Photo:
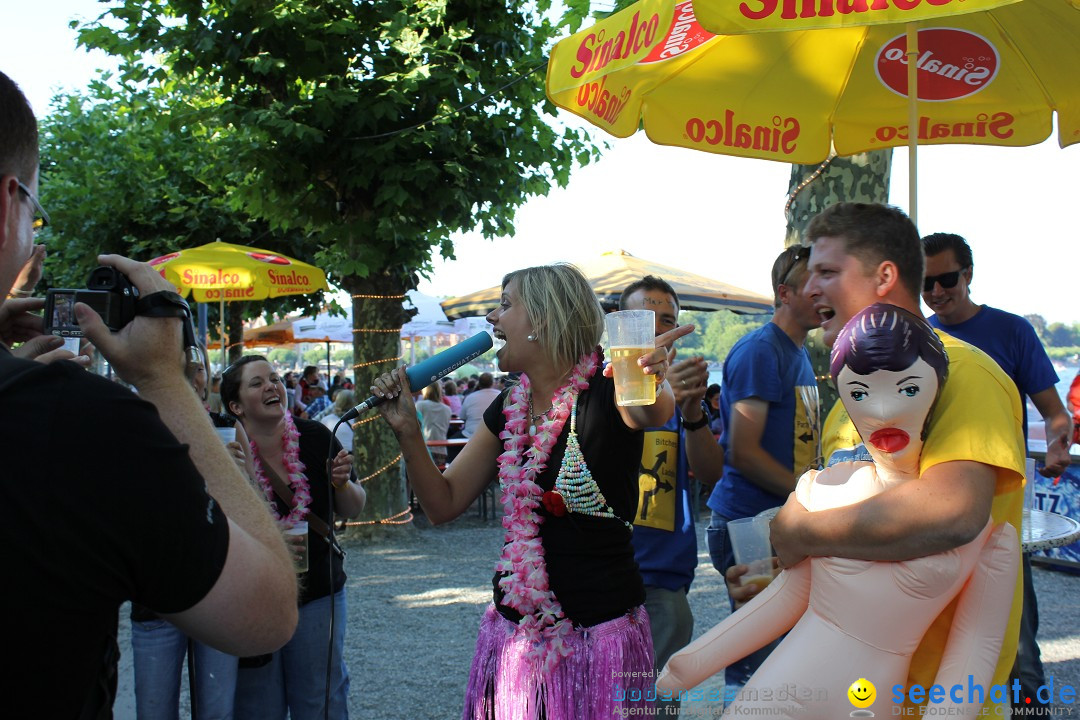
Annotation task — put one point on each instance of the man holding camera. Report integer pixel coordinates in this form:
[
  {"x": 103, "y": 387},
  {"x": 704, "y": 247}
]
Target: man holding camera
[{"x": 97, "y": 514}]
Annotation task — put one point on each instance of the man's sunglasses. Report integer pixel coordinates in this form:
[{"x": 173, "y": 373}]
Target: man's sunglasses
[
  {"x": 946, "y": 280},
  {"x": 802, "y": 253}
]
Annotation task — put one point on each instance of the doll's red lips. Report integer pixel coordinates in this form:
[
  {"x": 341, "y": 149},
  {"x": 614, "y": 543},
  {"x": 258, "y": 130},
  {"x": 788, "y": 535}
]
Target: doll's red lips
[{"x": 890, "y": 440}]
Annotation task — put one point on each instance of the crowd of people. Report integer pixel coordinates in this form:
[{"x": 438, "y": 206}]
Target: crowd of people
[{"x": 228, "y": 548}]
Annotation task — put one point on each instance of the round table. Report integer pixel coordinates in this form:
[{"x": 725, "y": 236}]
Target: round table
[{"x": 1047, "y": 530}]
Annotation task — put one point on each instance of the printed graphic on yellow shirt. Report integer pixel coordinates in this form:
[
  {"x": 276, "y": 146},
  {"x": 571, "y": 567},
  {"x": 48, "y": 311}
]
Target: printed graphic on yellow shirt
[
  {"x": 657, "y": 480},
  {"x": 807, "y": 429}
]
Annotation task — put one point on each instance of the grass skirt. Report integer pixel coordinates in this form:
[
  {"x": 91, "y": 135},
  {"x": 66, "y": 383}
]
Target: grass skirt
[{"x": 609, "y": 672}]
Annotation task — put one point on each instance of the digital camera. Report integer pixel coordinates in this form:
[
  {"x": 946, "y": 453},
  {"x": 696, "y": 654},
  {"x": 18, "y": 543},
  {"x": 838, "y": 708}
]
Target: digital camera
[{"x": 108, "y": 291}]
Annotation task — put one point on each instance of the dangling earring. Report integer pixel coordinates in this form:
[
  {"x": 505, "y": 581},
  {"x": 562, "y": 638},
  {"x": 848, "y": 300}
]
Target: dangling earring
[{"x": 530, "y": 338}]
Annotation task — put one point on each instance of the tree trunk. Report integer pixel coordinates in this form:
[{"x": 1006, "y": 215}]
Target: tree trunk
[
  {"x": 859, "y": 178},
  {"x": 377, "y": 319},
  {"x": 234, "y": 330}
]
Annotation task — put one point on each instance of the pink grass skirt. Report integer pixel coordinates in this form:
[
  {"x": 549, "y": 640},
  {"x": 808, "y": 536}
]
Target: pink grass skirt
[{"x": 611, "y": 669}]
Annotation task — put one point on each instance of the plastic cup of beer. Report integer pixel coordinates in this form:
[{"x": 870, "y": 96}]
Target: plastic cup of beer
[
  {"x": 630, "y": 335},
  {"x": 296, "y": 536},
  {"x": 750, "y": 542},
  {"x": 227, "y": 434}
]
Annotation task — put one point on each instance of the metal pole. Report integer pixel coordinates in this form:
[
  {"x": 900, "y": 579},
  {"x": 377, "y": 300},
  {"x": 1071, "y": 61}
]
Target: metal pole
[
  {"x": 913, "y": 120},
  {"x": 224, "y": 357}
]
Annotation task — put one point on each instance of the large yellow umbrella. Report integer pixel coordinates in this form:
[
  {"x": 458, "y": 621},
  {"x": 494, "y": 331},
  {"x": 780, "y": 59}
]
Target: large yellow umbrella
[
  {"x": 992, "y": 77},
  {"x": 613, "y": 271},
  {"x": 221, "y": 271}
]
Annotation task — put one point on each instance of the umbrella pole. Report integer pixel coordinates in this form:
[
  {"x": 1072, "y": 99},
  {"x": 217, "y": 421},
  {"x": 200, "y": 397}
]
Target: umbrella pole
[
  {"x": 913, "y": 120},
  {"x": 222, "y": 318},
  {"x": 329, "y": 374}
]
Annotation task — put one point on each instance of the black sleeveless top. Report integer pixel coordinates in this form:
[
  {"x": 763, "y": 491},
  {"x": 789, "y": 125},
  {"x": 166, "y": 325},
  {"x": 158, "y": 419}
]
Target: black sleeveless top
[{"x": 590, "y": 560}]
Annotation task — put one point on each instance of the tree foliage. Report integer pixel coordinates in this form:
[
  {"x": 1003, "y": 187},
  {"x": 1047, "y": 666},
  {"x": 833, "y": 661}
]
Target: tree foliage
[
  {"x": 378, "y": 128},
  {"x": 716, "y": 333},
  {"x": 386, "y": 126},
  {"x": 122, "y": 174}
]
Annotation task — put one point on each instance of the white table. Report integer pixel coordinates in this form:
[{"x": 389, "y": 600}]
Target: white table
[{"x": 1047, "y": 530}]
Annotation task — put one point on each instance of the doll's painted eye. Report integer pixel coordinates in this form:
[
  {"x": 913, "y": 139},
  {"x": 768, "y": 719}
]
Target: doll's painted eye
[
  {"x": 858, "y": 395},
  {"x": 910, "y": 390}
]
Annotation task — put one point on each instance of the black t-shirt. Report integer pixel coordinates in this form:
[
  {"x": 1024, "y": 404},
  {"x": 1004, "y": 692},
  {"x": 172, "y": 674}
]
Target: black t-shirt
[
  {"x": 102, "y": 505},
  {"x": 315, "y": 440},
  {"x": 590, "y": 560}
]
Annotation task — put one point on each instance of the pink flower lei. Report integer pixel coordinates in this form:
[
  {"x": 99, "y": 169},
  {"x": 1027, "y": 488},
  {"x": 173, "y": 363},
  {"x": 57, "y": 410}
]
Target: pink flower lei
[
  {"x": 526, "y": 582},
  {"x": 294, "y": 469}
]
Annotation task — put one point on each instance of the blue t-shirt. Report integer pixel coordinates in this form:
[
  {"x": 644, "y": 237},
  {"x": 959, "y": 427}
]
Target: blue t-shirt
[
  {"x": 767, "y": 365},
  {"x": 665, "y": 542},
  {"x": 1012, "y": 343}
]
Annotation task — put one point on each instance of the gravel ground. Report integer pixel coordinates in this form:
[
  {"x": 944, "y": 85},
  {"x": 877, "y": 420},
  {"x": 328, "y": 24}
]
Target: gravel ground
[{"x": 416, "y": 596}]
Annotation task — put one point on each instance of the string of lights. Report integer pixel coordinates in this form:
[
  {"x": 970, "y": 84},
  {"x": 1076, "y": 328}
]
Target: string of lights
[
  {"x": 384, "y": 468},
  {"x": 357, "y": 366},
  {"x": 402, "y": 518},
  {"x": 801, "y": 186}
]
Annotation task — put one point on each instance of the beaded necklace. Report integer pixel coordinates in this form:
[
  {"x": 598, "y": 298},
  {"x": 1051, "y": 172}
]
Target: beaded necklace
[
  {"x": 294, "y": 470},
  {"x": 526, "y": 451},
  {"x": 575, "y": 486}
]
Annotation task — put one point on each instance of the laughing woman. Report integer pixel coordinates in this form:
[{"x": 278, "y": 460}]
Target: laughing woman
[
  {"x": 290, "y": 468},
  {"x": 566, "y": 636}
]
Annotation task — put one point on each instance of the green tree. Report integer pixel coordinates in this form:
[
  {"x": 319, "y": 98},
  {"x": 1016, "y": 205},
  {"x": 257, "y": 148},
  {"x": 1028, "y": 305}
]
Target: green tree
[
  {"x": 725, "y": 331},
  {"x": 1039, "y": 323},
  {"x": 121, "y": 175},
  {"x": 1061, "y": 335},
  {"x": 284, "y": 357},
  {"x": 382, "y": 128}
]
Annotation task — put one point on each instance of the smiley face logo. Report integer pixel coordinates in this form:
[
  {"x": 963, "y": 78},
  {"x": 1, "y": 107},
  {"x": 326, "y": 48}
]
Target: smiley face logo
[{"x": 862, "y": 693}]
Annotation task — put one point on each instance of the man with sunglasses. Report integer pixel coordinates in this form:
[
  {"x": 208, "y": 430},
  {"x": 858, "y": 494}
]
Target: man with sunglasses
[
  {"x": 1011, "y": 341},
  {"x": 972, "y": 463},
  {"x": 110, "y": 496},
  {"x": 769, "y": 403}
]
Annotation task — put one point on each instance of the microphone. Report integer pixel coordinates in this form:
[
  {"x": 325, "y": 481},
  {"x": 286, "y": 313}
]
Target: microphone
[{"x": 428, "y": 371}]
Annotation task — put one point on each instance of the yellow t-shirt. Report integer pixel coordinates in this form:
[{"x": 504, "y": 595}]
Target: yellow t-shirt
[{"x": 977, "y": 418}]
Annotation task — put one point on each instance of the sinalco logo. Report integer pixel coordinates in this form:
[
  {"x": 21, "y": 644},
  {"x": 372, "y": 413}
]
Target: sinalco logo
[
  {"x": 952, "y": 64},
  {"x": 684, "y": 35}
]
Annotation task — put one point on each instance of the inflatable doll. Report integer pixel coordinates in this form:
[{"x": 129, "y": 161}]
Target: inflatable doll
[{"x": 854, "y": 619}]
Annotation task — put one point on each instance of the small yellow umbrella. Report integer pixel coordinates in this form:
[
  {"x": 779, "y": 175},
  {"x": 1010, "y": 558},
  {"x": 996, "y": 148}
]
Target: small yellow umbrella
[
  {"x": 992, "y": 77},
  {"x": 221, "y": 271}
]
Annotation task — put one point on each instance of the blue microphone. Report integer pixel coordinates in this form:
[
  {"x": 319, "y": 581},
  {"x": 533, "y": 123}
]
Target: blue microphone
[{"x": 428, "y": 371}]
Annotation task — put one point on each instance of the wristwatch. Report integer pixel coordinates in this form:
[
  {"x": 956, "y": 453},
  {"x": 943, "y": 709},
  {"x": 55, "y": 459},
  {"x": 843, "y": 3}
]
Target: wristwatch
[{"x": 700, "y": 422}]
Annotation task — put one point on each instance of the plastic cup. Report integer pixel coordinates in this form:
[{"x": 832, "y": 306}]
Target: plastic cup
[
  {"x": 297, "y": 538},
  {"x": 750, "y": 542},
  {"x": 1029, "y": 490},
  {"x": 630, "y": 335},
  {"x": 227, "y": 434}
]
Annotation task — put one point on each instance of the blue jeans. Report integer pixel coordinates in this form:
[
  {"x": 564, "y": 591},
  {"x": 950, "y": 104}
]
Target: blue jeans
[
  {"x": 158, "y": 650},
  {"x": 737, "y": 673},
  {"x": 294, "y": 681}
]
